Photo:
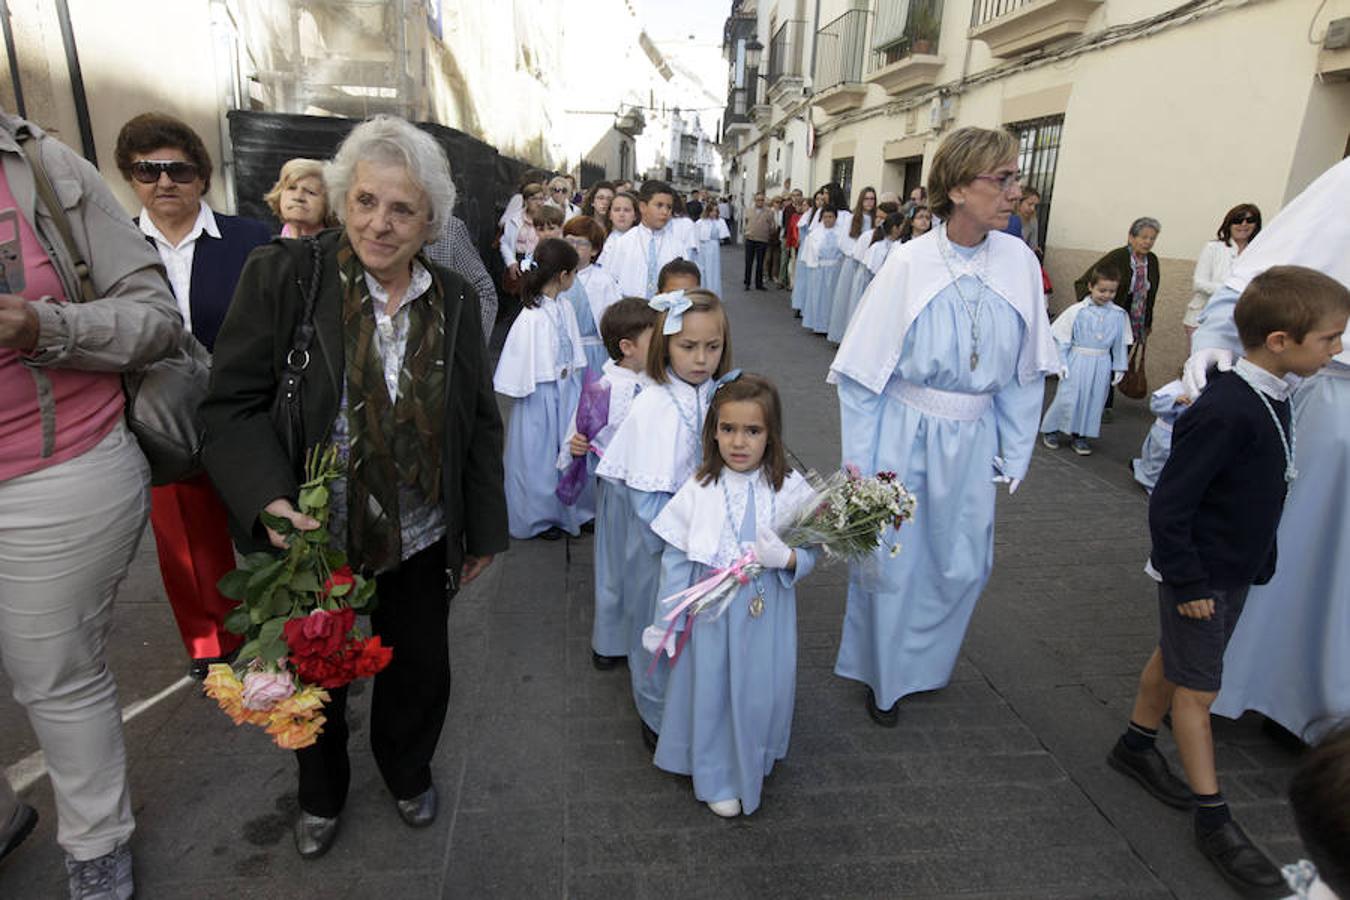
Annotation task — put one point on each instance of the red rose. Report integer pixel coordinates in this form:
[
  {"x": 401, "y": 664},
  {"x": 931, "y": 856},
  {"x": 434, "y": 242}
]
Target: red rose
[
  {"x": 339, "y": 576},
  {"x": 326, "y": 673},
  {"x": 373, "y": 657},
  {"x": 321, "y": 633}
]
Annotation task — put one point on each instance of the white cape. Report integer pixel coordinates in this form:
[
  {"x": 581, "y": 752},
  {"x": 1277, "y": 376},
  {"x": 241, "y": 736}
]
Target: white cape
[
  {"x": 1062, "y": 327},
  {"x": 913, "y": 274},
  {"x": 698, "y": 519},
  {"x": 530, "y": 354}
]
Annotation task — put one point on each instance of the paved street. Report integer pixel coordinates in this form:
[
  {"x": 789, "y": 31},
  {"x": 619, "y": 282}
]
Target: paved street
[{"x": 995, "y": 787}]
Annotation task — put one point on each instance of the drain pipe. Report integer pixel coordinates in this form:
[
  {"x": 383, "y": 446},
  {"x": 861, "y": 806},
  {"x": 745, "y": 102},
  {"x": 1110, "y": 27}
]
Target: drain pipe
[
  {"x": 13, "y": 60},
  {"x": 76, "y": 83}
]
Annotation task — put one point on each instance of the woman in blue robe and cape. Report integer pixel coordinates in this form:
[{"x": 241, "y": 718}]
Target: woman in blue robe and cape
[{"x": 940, "y": 380}]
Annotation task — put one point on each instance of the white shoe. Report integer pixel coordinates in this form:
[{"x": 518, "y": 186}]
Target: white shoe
[{"x": 727, "y": 809}]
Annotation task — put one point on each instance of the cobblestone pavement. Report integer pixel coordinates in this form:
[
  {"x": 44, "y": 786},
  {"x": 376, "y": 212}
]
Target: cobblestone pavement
[{"x": 995, "y": 787}]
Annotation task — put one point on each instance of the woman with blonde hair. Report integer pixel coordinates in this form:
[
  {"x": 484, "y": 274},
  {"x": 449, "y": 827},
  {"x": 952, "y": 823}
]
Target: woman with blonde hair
[
  {"x": 940, "y": 379},
  {"x": 300, "y": 200}
]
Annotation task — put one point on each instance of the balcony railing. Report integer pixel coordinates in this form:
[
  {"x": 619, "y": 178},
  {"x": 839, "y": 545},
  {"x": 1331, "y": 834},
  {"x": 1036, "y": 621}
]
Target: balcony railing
[
  {"x": 785, "y": 50},
  {"x": 987, "y": 10},
  {"x": 841, "y": 50},
  {"x": 906, "y": 30},
  {"x": 738, "y": 112}
]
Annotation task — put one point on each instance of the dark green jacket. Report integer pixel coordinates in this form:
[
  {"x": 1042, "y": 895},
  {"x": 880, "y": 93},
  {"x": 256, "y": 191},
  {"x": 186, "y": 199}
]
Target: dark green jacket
[
  {"x": 1119, "y": 259},
  {"x": 242, "y": 452}
]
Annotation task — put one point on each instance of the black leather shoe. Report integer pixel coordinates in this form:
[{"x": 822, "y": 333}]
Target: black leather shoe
[
  {"x": 649, "y": 737},
  {"x": 420, "y": 811},
  {"x": 314, "y": 834},
  {"x": 21, "y": 823},
  {"x": 1150, "y": 769},
  {"x": 606, "y": 663},
  {"x": 887, "y": 718},
  {"x": 1237, "y": 858}
]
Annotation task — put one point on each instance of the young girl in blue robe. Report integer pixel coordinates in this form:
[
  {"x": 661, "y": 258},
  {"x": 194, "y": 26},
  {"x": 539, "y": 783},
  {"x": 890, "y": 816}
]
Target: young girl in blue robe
[
  {"x": 941, "y": 378},
  {"x": 654, "y": 452},
  {"x": 592, "y": 291},
  {"x": 729, "y": 701},
  {"x": 824, "y": 252},
  {"x": 541, "y": 367},
  {"x": 849, "y": 273},
  {"x": 711, "y": 232},
  {"x": 878, "y": 245},
  {"x": 1092, "y": 334},
  {"x": 1167, "y": 403}
]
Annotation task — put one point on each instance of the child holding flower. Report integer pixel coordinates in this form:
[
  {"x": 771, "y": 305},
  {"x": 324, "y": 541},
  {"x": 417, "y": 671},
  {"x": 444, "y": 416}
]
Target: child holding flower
[
  {"x": 653, "y": 453},
  {"x": 728, "y": 708}
]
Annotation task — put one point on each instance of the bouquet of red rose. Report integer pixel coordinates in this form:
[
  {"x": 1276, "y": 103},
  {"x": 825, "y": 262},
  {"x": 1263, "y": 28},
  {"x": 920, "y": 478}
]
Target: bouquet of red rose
[{"x": 298, "y": 611}]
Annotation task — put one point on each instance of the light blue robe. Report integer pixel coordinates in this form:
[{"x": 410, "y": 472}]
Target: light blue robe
[
  {"x": 539, "y": 426},
  {"x": 611, "y": 632},
  {"x": 1080, "y": 399},
  {"x": 819, "y": 292},
  {"x": 1288, "y": 657},
  {"x": 802, "y": 277},
  {"x": 839, "y": 302},
  {"x": 639, "y": 585},
  {"x": 907, "y": 615},
  {"x": 1157, "y": 444},
  {"x": 730, "y": 696},
  {"x": 591, "y": 344}
]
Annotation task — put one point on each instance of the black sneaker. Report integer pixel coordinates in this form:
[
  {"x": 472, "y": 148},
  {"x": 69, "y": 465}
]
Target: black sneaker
[
  {"x": 606, "y": 663},
  {"x": 1237, "y": 858},
  {"x": 1150, "y": 769},
  {"x": 21, "y": 823},
  {"x": 1050, "y": 439}
]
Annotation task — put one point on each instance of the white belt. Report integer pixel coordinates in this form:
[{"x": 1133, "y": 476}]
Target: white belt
[
  {"x": 828, "y": 263},
  {"x": 592, "y": 341},
  {"x": 944, "y": 404},
  {"x": 1090, "y": 351},
  {"x": 1163, "y": 424}
]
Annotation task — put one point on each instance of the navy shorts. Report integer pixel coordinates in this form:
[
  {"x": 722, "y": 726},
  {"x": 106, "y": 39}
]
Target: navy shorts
[{"x": 1192, "y": 649}]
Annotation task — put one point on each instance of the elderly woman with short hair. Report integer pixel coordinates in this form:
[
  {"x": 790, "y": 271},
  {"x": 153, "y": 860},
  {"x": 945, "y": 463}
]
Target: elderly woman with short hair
[
  {"x": 299, "y": 199},
  {"x": 399, "y": 380},
  {"x": 940, "y": 377},
  {"x": 1136, "y": 259}
]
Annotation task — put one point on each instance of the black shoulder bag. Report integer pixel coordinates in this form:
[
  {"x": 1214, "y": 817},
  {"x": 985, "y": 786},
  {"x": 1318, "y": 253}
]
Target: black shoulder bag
[{"x": 287, "y": 411}]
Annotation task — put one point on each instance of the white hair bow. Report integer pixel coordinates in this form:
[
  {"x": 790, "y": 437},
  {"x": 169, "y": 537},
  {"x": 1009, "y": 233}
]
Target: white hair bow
[
  {"x": 674, "y": 304},
  {"x": 527, "y": 263}
]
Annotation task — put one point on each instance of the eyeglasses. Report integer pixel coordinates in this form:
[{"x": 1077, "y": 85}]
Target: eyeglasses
[
  {"x": 147, "y": 171},
  {"x": 1247, "y": 219},
  {"x": 558, "y": 190},
  {"x": 1005, "y": 182}
]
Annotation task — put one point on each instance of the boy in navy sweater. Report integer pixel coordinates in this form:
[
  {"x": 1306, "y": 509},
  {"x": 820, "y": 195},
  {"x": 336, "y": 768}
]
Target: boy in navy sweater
[{"x": 1212, "y": 518}]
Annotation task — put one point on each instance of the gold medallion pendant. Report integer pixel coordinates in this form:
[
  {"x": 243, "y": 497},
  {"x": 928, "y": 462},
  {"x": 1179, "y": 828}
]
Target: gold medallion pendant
[{"x": 756, "y": 606}]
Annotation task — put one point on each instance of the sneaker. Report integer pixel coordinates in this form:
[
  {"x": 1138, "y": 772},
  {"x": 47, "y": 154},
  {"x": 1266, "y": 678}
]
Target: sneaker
[
  {"x": 106, "y": 878},
  {"x": 727, "y": 809},
  {"x": 1051, "y": 440},
  {"x": 1080, "y": 446},
  {"x": 1150, "y": 769}
]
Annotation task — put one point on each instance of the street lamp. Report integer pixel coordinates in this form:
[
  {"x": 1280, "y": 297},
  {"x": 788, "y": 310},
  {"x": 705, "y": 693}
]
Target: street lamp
[{"x": 754, "y": 50}]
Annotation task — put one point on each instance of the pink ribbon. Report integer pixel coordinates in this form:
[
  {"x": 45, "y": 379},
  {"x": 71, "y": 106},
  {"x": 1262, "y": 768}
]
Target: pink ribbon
[{"x": 691, "y": 595}]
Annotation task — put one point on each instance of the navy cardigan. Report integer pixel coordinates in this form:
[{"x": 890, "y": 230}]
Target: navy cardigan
[{"x": 216, "y": 264}]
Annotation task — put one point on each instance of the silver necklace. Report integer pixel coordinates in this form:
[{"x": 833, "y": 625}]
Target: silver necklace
[
  {"x": 757, "y": 601},
  {"x": 975, "y": 269},
  {"x": 1288, "y": 442}
]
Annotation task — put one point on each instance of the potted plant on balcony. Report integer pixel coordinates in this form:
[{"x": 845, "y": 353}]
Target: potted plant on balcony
[{"x": 924, "y": 24}]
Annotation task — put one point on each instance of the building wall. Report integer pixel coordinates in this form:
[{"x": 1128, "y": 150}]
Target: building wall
[{"x": 1170, "y": 124}]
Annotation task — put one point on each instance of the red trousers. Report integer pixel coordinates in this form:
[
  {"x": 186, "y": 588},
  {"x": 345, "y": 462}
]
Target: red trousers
[{"x": 194, "y": 546}]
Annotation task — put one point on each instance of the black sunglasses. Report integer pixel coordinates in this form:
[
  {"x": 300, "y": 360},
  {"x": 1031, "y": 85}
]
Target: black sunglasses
[
  {"x": 147, "y": 171},
  {"x": 1247, "y": 219}
]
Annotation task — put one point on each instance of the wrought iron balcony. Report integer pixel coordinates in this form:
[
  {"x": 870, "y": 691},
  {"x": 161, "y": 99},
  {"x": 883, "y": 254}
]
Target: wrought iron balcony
[
  {"x": 841, "y": 51},
  {"x": 905, "y": 45},
  {"x": 785, "y": 58},
  {"x": 1010, "y": 27}
]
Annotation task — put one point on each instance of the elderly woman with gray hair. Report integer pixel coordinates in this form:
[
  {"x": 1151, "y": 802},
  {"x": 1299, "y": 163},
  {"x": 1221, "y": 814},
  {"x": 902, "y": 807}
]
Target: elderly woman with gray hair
[
  {"x": 398, "y": 379},
  {"x": 1139, "y": 290}
]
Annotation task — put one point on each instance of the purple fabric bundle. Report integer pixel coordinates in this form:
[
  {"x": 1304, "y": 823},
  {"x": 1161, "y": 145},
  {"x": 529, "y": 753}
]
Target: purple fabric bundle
[{"x": 592, "y": 415}]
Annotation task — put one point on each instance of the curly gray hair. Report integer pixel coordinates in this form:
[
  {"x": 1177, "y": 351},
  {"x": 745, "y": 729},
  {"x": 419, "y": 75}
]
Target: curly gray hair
[{"x": 390, "y": 140}]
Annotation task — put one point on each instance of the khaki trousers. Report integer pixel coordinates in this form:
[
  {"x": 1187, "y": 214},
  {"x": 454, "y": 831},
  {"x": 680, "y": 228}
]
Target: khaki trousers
[{"x": 67, "y": 535}]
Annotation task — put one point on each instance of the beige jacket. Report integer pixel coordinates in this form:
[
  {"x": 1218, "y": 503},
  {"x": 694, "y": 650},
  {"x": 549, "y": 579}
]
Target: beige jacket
[{"x": 135, "y": 320}]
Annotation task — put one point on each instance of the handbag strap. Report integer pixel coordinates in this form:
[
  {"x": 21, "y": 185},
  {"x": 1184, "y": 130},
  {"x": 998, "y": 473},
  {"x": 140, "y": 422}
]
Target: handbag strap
[
  {"x": 297, "y": 359},
  {"x": 57, "y": 213}
]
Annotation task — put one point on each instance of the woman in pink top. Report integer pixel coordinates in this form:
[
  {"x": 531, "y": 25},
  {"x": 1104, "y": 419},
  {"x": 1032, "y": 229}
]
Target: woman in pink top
[{"x": 74, "y": 487}]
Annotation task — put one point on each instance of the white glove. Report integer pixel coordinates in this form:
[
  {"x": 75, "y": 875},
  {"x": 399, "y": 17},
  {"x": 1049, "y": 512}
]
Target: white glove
[
  {"x": 1197, "y": 367},
  {"x": 770, "y": 551},
  {"x": 1116, "y": 377},
  {"x": 655, "y": 639},
  {"x": 1000, "y": 478},
  {"x": 1064, "y": 374}
]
